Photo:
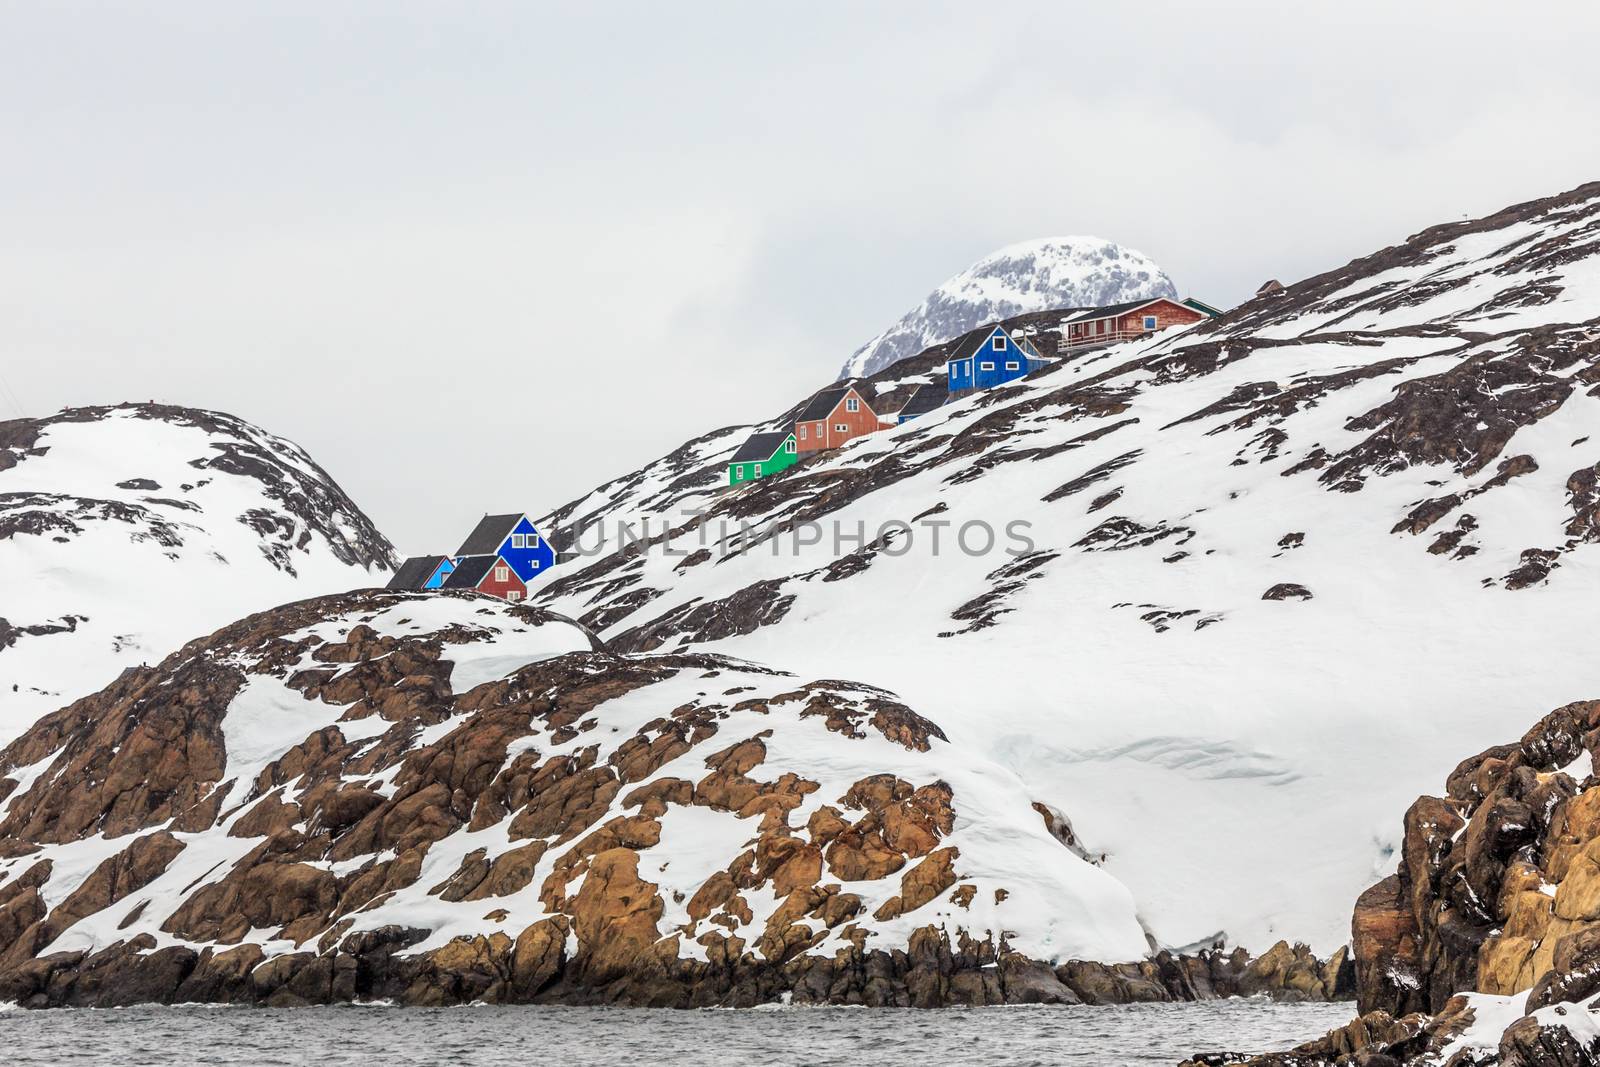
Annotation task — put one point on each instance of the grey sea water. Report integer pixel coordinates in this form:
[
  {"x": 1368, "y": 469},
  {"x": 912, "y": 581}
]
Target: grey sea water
[{"x": 616, "y": 1037}]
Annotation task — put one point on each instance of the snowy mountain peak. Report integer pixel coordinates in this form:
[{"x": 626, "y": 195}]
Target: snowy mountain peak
[
  {"x": 1037, "y": 275},
  {"x": 139, "y": 525}
]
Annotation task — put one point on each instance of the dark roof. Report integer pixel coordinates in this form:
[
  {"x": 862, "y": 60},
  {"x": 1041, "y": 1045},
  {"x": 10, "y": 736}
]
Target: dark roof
[
  {"x": 490, "y": 533},
  {"x": 925, "y": 399},
  {"x": 415, "y": 571},
  {"x": 470, "y": 571},
  {"x": 822, "y": 405},
  {"x": 970, "y": 343},
  {"x": 1111, "y": 310},
  {"x": 761, "y": 446}
]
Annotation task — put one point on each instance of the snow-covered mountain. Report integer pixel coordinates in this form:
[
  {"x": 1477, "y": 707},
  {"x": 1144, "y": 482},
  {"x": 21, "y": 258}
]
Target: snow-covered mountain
[
  {"x": 125, "y": 531},
  {"x": 1038, "y": 275},
  {"x": 1275, "y": 572}
]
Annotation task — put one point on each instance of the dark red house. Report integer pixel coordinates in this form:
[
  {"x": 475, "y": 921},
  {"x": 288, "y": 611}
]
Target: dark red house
[
  {"x": 1125, "y": 322},
  {"x": 487, "y": 574},
  {"x": 833, "y": 417}
]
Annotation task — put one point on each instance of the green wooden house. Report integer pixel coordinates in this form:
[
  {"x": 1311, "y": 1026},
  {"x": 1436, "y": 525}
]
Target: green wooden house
[{"x": 763, "y": 454}]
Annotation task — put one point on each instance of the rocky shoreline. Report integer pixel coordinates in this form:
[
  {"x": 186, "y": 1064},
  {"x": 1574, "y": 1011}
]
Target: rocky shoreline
[{"x": 535, "y": 969}]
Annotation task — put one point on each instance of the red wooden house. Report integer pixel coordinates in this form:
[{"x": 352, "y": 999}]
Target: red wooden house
[
  {"x": 1125, "y": 322},
  {"x": 487, "y": 574},
  {"x": 833, "y": 417}
]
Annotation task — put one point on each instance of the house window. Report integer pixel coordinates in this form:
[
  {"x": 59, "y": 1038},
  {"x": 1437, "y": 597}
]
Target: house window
[
  {"x": 738, "y": 473},
  {"x": 516, "y": 540},
  {"x": 513, "y": 595},
  {"x": 987, "y": 364},
  {"x": 788, "y": 446},
  {"x": 758, "y": 470},
  {"x": 533, "y": 564},
  {"x": 499, "y": 574},
  {"x": 530, "y": 540},
  {"x": 840, "y": 427},
  {"x": 1149, "y": 322},
  {"x": 1011, "y": 364},
  {"x": 802, "y": 432},
  {"x": 997, "y": 343},
  {"x": 852, "y": 404}
]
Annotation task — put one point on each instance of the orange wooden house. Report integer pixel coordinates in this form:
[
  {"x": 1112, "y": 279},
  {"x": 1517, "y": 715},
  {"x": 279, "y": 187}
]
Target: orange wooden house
[{"x": 833, "y": 417}]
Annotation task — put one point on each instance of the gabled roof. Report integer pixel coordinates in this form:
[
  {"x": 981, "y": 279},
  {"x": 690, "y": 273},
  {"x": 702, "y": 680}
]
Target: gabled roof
[
  {"x": 470, "y": 571},
  {"x": 1113, "y": 310},
  {"x": 1028, "y": 348},
  {"x": 1202, "y": 306},
  {"x": 490, "y": 533},
  {"x": 925, "y": 399},
  {"x": 971, "y": 342},
  {"x": 761, "y": 446},
  {"x": 415, "y": 571},
  {"x": 822, "y": 405}
]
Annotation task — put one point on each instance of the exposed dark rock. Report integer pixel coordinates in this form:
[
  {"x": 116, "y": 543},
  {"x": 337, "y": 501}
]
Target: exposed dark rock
[{"x": 1497, "y": 892}]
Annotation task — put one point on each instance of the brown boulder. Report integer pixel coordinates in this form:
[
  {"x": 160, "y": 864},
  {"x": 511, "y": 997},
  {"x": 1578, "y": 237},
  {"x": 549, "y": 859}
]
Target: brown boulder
[
  {"x": 615, "y": 915},
  {"x": 1384, "y": 940}
]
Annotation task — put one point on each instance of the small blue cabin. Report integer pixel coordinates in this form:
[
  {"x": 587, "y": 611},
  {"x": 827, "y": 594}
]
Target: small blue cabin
[
  {"x": 987, "y": 357},
  {"x": 422, "y": 572},
  {"x": 515, "y": 540},
  {"x": 440, "y": 573}
]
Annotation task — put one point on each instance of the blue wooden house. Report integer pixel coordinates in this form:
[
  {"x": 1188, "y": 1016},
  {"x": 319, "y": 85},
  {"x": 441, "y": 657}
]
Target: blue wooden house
[
  {"x": 422, "y": 572},
  {"x": 515, "y": 540},
  {"x": 987, "y": 357}
]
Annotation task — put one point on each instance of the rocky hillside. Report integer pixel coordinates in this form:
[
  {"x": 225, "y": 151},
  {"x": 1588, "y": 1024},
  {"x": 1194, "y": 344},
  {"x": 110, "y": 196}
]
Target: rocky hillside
[
  {"x": 1484, "y": 946},
  {"x": 443, "y": 797},
  {"x": 126, "y": 530},
  {"x": 1040, "y": 275},
  {"x": 1267, "y": 576}
]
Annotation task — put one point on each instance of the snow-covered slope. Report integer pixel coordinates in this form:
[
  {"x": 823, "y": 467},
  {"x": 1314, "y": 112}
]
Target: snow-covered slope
[
  {"x": 124, "y": 531},
  {"x": 1281, "y": 569},
  {"x": 1051, "y": 272},
  {"x": 439, "y": 774}
]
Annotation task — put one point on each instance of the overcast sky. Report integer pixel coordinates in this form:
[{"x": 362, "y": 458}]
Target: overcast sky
[{"x": 482, "y": 258}]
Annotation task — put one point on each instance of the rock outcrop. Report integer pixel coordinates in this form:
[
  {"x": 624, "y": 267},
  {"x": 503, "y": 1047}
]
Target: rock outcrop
[
  {"x": 439, "y": 798},
  {"x": 1484, "y": 946}
]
